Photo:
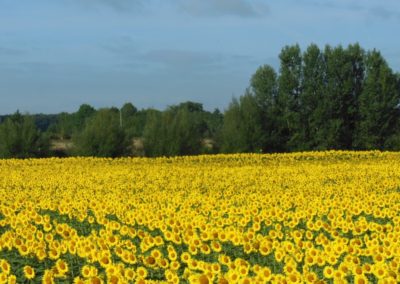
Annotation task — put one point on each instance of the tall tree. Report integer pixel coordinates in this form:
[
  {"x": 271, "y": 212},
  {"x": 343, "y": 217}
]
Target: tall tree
[
  {"x": 233, "y": 133},
  {"x": 378, "y": 105},
  {"x": 127, "y": 117},
  {"x": 80, "y": 117},
  {"x": 185, "y": 133},
  {"x": 263, "y": 85},
  {"x": 287, "y": 102},
  {"x": 20, "y": 138},
  {"x": 312, "y": 99},
  {"x": 342, "y": 87},
  {"x": 177, "y": 131},
  {"x": 243, "y": 126},
  {"x": 102, "y": 136},
  {"x": 154, "y": 134}
]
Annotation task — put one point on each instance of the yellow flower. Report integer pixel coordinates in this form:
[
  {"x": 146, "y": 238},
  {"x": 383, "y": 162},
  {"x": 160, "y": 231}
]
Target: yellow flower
[
  {"x": 266, "y": 274},
  {"x": 78, "y": 280},
  {"x": 12, "y": 279},
  {"x": 5, "y": 266},
  {"x": 29, "y": 272},
  {"x": 328, "y": 272},
  {"x": 141, "y": 272},
  {"x": 360, "y": 279},
  {"x": 61, "y": 267},
  {"x": 105, "y": 261},
  {"x": 48, "y": 277},
  {"x": 129, "y": 274},
  {"x": 85, "y": 271}
]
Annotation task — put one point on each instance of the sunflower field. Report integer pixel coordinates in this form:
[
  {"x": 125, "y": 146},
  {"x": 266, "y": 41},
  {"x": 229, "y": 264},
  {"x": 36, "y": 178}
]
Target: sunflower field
[{"x": 316, "y": 217}]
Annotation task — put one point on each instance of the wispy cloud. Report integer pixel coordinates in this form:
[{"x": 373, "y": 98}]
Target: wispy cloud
[
  {"x": 384, "y": 13},
  {"x": 10, "y": 51},
  {"x": 198, "y": 8},
  {"x": 123, "y": 46},
  {"x": 116, "y": 5},
  {"x": 211, "y": 8},
  {"x": 183, "y": 58}
]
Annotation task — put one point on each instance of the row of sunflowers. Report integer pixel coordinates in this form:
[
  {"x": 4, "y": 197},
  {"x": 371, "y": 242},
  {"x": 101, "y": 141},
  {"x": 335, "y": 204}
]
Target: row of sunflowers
[{"x": 316, "y": 217}]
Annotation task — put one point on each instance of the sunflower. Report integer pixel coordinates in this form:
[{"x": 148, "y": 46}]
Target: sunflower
[
  {"x": 23, "y": 250},
  {"x": 294, "y": 278},
  {"x": 203, "y": 279},
  {"x": 62, "y": 267},
  {"x": 289, "y": 268},
  {"x": 266, "y": 274},
  {"x": 379, "y": 271},
  {"x": 129, "y": 274},
  {"x": 156, "y": 254},
  {"x": 141, "y": 272},
  {"x": 192, "y": 249},
  {"x": 54, "y": 254},
  {"x": 311, "y": 277},
  {"x": 158, "y": 241},
  {"x": 105, "y": 260},
  {"x": 175, "y": 265},
  {"x": 85, "y": 271},
  {"x": 48, "y": 277},
  {"x": 5, "y": 266},
  {"x": 172, "y": 255},
  {"x": 150, "y": 261},
  {"x": 113, "y": 279},
  {"x": 95, "y": 280},
  {"x": 185, "y": 257},
  {"x": 222, "y": 280},
  {"x": 29, "y": 272},
  {"x": 215, "y": 268},
  {"x": 12, "y": 279},
  {"x": 360, "y": 279},
  {"x": 163, "y": 263},
  {"x": 78, "y": 280},
  {"x": 205, "y": 249},
  {"x": 328, "y": 272}
]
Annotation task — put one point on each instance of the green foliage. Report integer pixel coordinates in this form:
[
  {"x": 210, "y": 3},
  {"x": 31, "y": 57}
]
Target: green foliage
[
  {"x": 329, "y": 98},
  {"x": 20, "y": 138},
  {"x": 338, "y": 98},
  {"x": 264, "y": 87},
  {"x": 102, "y": 136},
  {"x": 177, "y": 131},
  {"x": 378, "y": 106},
  {"x": 243, "y": 126},
  {"x": 287, "y": 101},
  {"x": 312, "y": 99},
  {"x": 154, "y": 134}
]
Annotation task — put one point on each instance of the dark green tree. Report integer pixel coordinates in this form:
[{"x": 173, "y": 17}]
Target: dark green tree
[
  {"x": 154, "y": 134},
  {"x": 80, "y": 117},
  {"x": 179, "y": 130},
  {"x": 312, "y": 100},
  {"x": 127, "y": 119},
  {"x": 185, "y": 132},
  {"x": 128, "y": 110},
  {"x": 263, "y": 85},
  {"x": 233, "y": 132},
  {"x": 378, "y": 106},
  {"x": 102, "y": 136},
  {"x": 340, "y": 107},
  {"x": 212, "y": 135},
  {"x": 287, "y": 102},
  {"x": 243, "y": 126},
  {"x": 20, "y": 138}
]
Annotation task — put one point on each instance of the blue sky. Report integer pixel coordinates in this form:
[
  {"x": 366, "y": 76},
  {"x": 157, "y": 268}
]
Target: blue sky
[{"x": 58, "y": 54}]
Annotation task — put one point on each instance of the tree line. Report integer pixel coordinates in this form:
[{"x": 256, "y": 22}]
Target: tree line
[{"x": 319, "y": 99}]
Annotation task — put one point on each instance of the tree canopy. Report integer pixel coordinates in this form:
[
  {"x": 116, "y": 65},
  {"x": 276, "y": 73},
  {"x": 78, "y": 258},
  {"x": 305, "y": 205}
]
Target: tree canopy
[{"x": 318, "y": 99}]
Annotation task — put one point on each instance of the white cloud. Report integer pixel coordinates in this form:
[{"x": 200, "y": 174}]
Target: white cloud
[{"x": 210, "y": 8}]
